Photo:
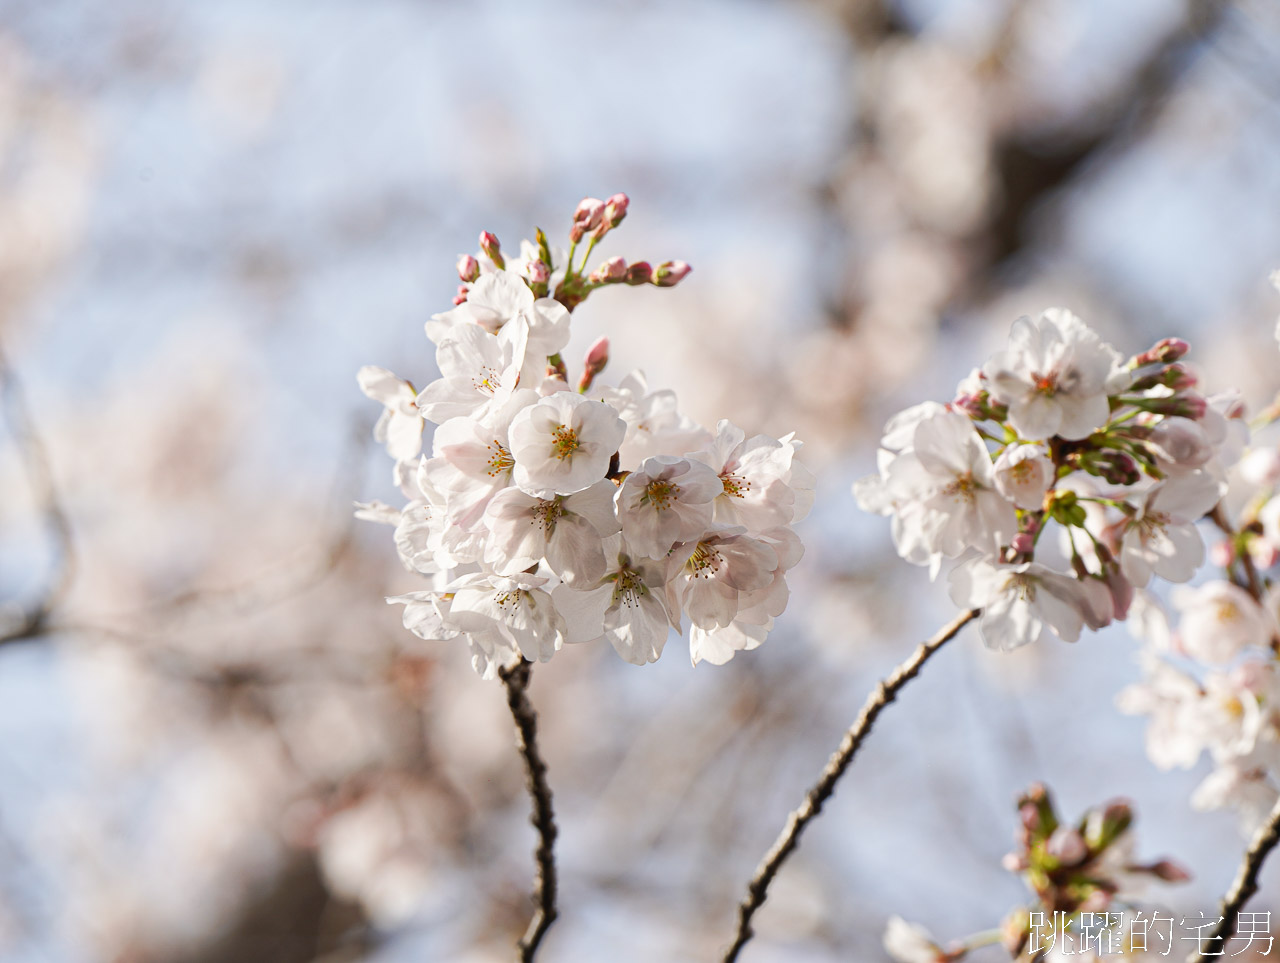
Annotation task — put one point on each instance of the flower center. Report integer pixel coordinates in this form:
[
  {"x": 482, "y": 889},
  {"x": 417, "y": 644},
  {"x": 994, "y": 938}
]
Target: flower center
[
  {"x": 963, "y": 487},
  {"x": 628, "y": 588},
  {"x": 545, "y": 514},
  {"x": 1227, "y": 611},
  {"x": 509, "y": 602},
  {"x": 564, "y": 442},
  {"x": 1024, "y": 587},
  {"x": 705, "y": 561},
  {"x": 660, "y": 493},
  {"x": 1046, "y": 384},
  {"x": 500, "y": 459},
  {"x": 735, "y": 486},
  {"x": 486, "y": 380}
]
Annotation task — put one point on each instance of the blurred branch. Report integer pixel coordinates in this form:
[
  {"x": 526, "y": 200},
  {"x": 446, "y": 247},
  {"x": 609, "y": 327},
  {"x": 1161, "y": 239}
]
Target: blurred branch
[
  {"x": 33, "y": 620},
  {"x": 516, "y": 679},
  {"x": 789, "y": 838},
  {"x": 1242, "y": 889}
]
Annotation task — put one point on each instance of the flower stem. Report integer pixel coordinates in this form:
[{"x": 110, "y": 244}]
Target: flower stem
[
  {"x": 516, "y": 679},
  {"x": 789, "y": 838}
]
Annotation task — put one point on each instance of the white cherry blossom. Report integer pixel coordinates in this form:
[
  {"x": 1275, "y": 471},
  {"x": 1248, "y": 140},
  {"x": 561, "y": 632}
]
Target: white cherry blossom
[
  {"x": 566, "y": 530},
  {"x": 1055, "y": 376},
  {"x": 1220, "y": 620},
  {"x": 477, "y": 369},
  {"x": 664, "y": 501},
  {"x": 1019, "y": 602},
  {"x": 400, "y": 425},
  {"x": 1161, "y": 537},
  {"x": 655, "y": 425},
  {"x": 708, "y": 577},
  {"x": 512, "y": 610},
  {"x": 1023, "y": 474},
  {"x": 627, "y": 605},
  {"x": 763, "y": 485},
  {"x": 563, "y": 444}
]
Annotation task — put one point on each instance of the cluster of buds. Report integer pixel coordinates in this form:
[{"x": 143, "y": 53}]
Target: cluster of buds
[
  {"x": 1071, "y": 869},
  {"x": 1058, "y": 433}
]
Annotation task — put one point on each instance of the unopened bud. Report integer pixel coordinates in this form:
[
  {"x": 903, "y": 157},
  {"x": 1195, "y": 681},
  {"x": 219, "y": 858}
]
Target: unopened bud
[
  {"x": 1222, "y": 554},
  {"x": 1067, "y": 846},
  {"x": 461, "y": 296},
  {"x": 492, "y": 249},
  {"x": 639, "y": 273},
  {"x": 587, "y": 218},
  {"x": 670, "y": 273},
  {"x": 1014, "y": 862},
  {"x": 597, "y": 357},
  {"x": 1023, "y": 543},
  {"x": 468, "y": 268},
  {"x": 1179, "y": 378},
  {"x": 1169, "y": 871},
  {"x": 538, "y": 272},
  {"x": 1262, "y": 552},
  {"x": 609, "y": 272},
  {"x": 1164, "y": 351},
  {"x": 615, "y": 209}
]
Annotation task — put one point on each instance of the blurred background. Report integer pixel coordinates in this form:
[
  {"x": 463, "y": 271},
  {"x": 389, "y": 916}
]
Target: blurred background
[{"x": 218, "y": 744}]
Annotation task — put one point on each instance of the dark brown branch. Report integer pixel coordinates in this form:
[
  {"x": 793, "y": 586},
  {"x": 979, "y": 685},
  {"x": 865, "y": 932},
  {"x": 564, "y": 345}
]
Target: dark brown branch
[
  {"x": 32, "y": 620},
  {"x": 789, "y": 838},
  {"x": 1242, "y": 889},
  {"x": 516, "y": 679}
]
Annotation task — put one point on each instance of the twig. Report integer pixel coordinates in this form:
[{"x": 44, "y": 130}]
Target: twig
[
  {"x": 516, "y": 679},
  {"x": 1242, "y": 889},
  {"x": 1252, "y": 583},
  {"x": 789, "y": 838},
  {"x": 32, "y": 620}
]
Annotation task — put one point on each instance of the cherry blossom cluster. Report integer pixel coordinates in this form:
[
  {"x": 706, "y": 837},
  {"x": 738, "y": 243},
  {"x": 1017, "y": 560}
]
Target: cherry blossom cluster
[
  {"x": 1077, "y": 872},
  {"x": 1058, "y": 433},
  {"x": 549, "y": 513},
  {"x": 1211, "y": 678}
]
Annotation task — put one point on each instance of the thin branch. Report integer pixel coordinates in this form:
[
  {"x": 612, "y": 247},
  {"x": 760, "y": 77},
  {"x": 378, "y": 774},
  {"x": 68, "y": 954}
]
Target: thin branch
[
  {"x": 32, "y": 620},
  {"x": 516, "y": 679},
  {"x": 789, "y": 838},
  {"x": 1244, "y": 887}
]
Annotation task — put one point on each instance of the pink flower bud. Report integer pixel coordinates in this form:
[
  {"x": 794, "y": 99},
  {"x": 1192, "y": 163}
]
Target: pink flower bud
[
  {"x": 670, "y": 273},
  {"x": 538, "y": 272},
  {"x": 639, "y": 273},
  {"x": 1262, "y": 552},
  {"x": 597, "y": 357},
  {"x": 598, "y": 354},
  {"x": 1067, "y": 846},
  {"x": 1014, "y": 862},
  {"x": 615, "y": 209},
  {"x": 1222, "y": 554},
  {"x": 1169, "y": 871},
  {"x": 609, "y": 272},
  {"x": 1023, "y": 543},
  {"x": 1180, "y": 378},
  {"x": 468, "y": 268},
  {"x": 588, "y": 217},
  {"x": 492, "y": 249},
  {"x": 1170, "y": 349},
  {"x": 461, "y": 296}
]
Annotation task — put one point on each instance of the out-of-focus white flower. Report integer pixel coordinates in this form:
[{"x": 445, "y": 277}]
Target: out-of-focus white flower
[
  {"x": 664, "y": 501},
  {"x": 400, "y": 424},
  {"x": 1219, "y": 621},
  {"x": 1161, "y": 536},
  {"x": 1023, "y": 474},
  {"x": 655, "y": 425},
  {"x": 1019, "y": 602},
  {"x": 563, "y": 444},
  {"x": 911, "y": 943},
  {"x": 1055, "y": 376},
  {"x": 1180, "y": 444}
]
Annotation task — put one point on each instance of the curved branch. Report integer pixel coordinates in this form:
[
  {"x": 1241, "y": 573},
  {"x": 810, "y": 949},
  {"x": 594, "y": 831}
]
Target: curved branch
[
  {"x": 32, "y": 620},
  {"x": 789, "y": 838},
  {"x": 516, "y": 679},
  {"x": 1242, "y": 889}
]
